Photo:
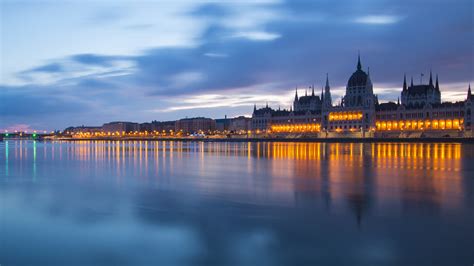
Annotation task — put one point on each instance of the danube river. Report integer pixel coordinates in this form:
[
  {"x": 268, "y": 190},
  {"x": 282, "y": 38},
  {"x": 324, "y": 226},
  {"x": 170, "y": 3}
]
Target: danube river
[{"x": 216, "y": 203}]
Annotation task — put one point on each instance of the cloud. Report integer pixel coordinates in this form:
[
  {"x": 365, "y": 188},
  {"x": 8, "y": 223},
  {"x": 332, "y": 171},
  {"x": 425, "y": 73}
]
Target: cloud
[
  {"x": 257, "y": 35},
  {"x": 217, "y": 55},
  {"x": 378, "y": 19},
  {"x": 49, "y": 68}
]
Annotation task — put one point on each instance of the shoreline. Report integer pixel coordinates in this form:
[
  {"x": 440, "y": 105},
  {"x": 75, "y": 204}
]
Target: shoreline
[{"x": 316, "y": 140}]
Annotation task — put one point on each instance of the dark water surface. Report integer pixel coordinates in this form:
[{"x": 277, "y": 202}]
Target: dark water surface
[{"x": 195, "y": 203}]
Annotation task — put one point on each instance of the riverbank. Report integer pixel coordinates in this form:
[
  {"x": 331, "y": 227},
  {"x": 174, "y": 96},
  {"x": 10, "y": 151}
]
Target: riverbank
[{"x": 329, "y": 140}]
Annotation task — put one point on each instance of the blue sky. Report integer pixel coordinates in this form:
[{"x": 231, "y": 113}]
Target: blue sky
[{"x": 67, "y": 63}]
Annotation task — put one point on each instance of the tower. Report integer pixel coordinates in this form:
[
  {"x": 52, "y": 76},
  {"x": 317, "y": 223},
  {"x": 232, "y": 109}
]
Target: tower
[{"x": 327, "y": 101}]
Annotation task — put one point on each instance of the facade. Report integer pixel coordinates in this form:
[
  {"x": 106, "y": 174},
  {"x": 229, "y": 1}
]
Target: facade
[
  {"x": 82, "y": 129},
  {"x": 240, "y": 124},
  {"x": 223, "y": 124},
  {"x": 421, "y": 113},
  {"x": 420, "y": 95},
  {"x": 195, "y": 125},
  {"x": 120, "y": 127}
]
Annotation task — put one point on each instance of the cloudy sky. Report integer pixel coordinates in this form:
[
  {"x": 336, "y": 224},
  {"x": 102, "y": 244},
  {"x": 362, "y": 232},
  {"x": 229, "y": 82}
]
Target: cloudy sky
[{"x": 66, "y": 63}]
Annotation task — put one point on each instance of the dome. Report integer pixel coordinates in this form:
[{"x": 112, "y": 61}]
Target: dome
[{"x": 358, "y": 78}]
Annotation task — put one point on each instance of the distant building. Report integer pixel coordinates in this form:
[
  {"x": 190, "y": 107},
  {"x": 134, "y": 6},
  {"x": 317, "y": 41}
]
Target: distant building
[
  {"x": 82, "y": 129},
  {"x": 239, "y": 124},
  {"x": 223, "y": 124},
  {"x": 120, "y": 127},
  {"x": 165, "y": 126},
  {"x": 195, "y": 125}
]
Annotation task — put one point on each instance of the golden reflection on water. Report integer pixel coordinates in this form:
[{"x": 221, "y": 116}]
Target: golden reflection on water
[{"x": 391, "y": 172}]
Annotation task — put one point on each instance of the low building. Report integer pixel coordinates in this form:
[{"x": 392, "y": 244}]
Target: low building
[
  {"x": 195, "y": 125},
  {"x": 240, "y": 124},
  {"x": 82, "y": 129},
  {"x": 223, "y": 124},
  {"x": 163, "y": 126},
  {"x": 121, "y": 127}
]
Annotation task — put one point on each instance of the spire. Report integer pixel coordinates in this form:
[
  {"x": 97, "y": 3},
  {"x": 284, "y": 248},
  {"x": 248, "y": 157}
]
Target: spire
[
  {"x": 437, "y": 83},
  {"x": 359, "y": 66},
  {"x": 305, "y": 92},
  {"x": 469, "y": 94},
  {"x": 296, "y": 94},
  {"x": 404, "y": 82},
  {"x": 327, "y": 80},
  {"x": 411, "y": 85},
  {"x": 312, "y": 90},
  {"x": 398, "y": 101},
  {"x": 327, "y": 92},
  {"x": 254, "y": 108},
  {"x": 431, "y": 78},
  {"x": 322, "y": 94}
]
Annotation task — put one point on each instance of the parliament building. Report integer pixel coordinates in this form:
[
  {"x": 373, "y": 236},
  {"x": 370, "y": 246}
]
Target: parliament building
[{"x": 359, "y": 114}]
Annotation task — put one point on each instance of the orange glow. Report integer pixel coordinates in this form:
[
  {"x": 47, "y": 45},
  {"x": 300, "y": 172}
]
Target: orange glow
[
  {"x": 345, "y": 116},
  {"x": 436, "y": 124},
  {"x": 296, "y": 128}
]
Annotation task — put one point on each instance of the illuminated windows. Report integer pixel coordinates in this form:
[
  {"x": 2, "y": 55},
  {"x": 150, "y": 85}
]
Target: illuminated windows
[
  {"x": 296, "y": 128},
  {"x": 435, "y": 124},
  {"x": 345, "y": 116}
]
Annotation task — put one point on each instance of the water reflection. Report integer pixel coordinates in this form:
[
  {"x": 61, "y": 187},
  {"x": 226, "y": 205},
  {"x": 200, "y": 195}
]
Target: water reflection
[{"x": 223, "y": 202}]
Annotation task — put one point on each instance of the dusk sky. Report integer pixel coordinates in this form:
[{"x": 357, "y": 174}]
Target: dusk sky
[{"x": 70, "y": 63}]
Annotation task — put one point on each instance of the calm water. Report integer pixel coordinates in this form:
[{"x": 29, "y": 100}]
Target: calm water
[{"x": 194, "y": 203}]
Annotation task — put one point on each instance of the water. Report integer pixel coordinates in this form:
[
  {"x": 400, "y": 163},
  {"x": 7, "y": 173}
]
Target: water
[{"x": 195, "y": 203}]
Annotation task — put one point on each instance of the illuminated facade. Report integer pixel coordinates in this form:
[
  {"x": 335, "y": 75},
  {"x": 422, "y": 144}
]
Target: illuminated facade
[{"x": 359, "y": 114}]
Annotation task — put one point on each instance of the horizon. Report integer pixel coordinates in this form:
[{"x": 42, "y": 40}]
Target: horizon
[{"x": 74, "y": 63}]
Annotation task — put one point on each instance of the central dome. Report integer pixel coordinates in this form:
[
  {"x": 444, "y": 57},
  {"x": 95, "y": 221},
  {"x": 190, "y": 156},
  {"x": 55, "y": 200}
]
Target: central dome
[{"x": 358, "y": 78}]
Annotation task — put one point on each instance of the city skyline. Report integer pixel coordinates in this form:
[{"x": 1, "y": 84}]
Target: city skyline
[{"x": 215, "y": 59}]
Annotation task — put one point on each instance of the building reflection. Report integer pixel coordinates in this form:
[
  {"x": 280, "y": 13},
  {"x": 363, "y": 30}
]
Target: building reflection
[{"x": 358, "y": 177}]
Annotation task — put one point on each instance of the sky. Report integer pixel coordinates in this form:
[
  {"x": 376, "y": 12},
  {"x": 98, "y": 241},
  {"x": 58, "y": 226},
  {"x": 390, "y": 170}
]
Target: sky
[{"x": 69, "y": 63}]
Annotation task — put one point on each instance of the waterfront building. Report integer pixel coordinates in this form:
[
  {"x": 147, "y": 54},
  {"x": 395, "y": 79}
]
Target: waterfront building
[
  {"x": 120, "y": 127},
  {"x": 195, "y": 125},
  {"x": 223, "y": 124},
  {"x": 82, "y": 129},
  {"x": 240, "y": 124},
  {"x": 359, "y": 114}
]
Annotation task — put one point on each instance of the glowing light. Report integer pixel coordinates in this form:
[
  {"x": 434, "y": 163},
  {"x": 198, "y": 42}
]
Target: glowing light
[{"x": 345, "y": 116}]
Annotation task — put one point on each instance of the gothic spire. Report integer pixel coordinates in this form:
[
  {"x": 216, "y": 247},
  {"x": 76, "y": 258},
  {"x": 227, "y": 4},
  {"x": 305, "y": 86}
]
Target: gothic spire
[
  {"x": 327, "y": 81},
  {"x": 322, "y": 94},
  {"x": 431, "y": 78},
  {"x": 404, "y": 82},
  {"x": 312, "y": 91},
  {"x": 296, "y": 94},
  {"x": 359, "y": 66},
  {"x": 327, "y": 92},
  {"x": 469, "y": 94},
  {"x": 398, "y": 101},
  {"x": 254, "y": 108},
  {"x": 411, "y": 85},
  {"x": 437, "y": 84}
]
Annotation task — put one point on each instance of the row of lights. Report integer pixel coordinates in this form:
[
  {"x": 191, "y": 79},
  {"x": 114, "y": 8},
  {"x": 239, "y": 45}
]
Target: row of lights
[
  {"x": 297, "y": 128},
  {"x": 420, "y": 125},
  {"x": 345, "y": 116}
]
